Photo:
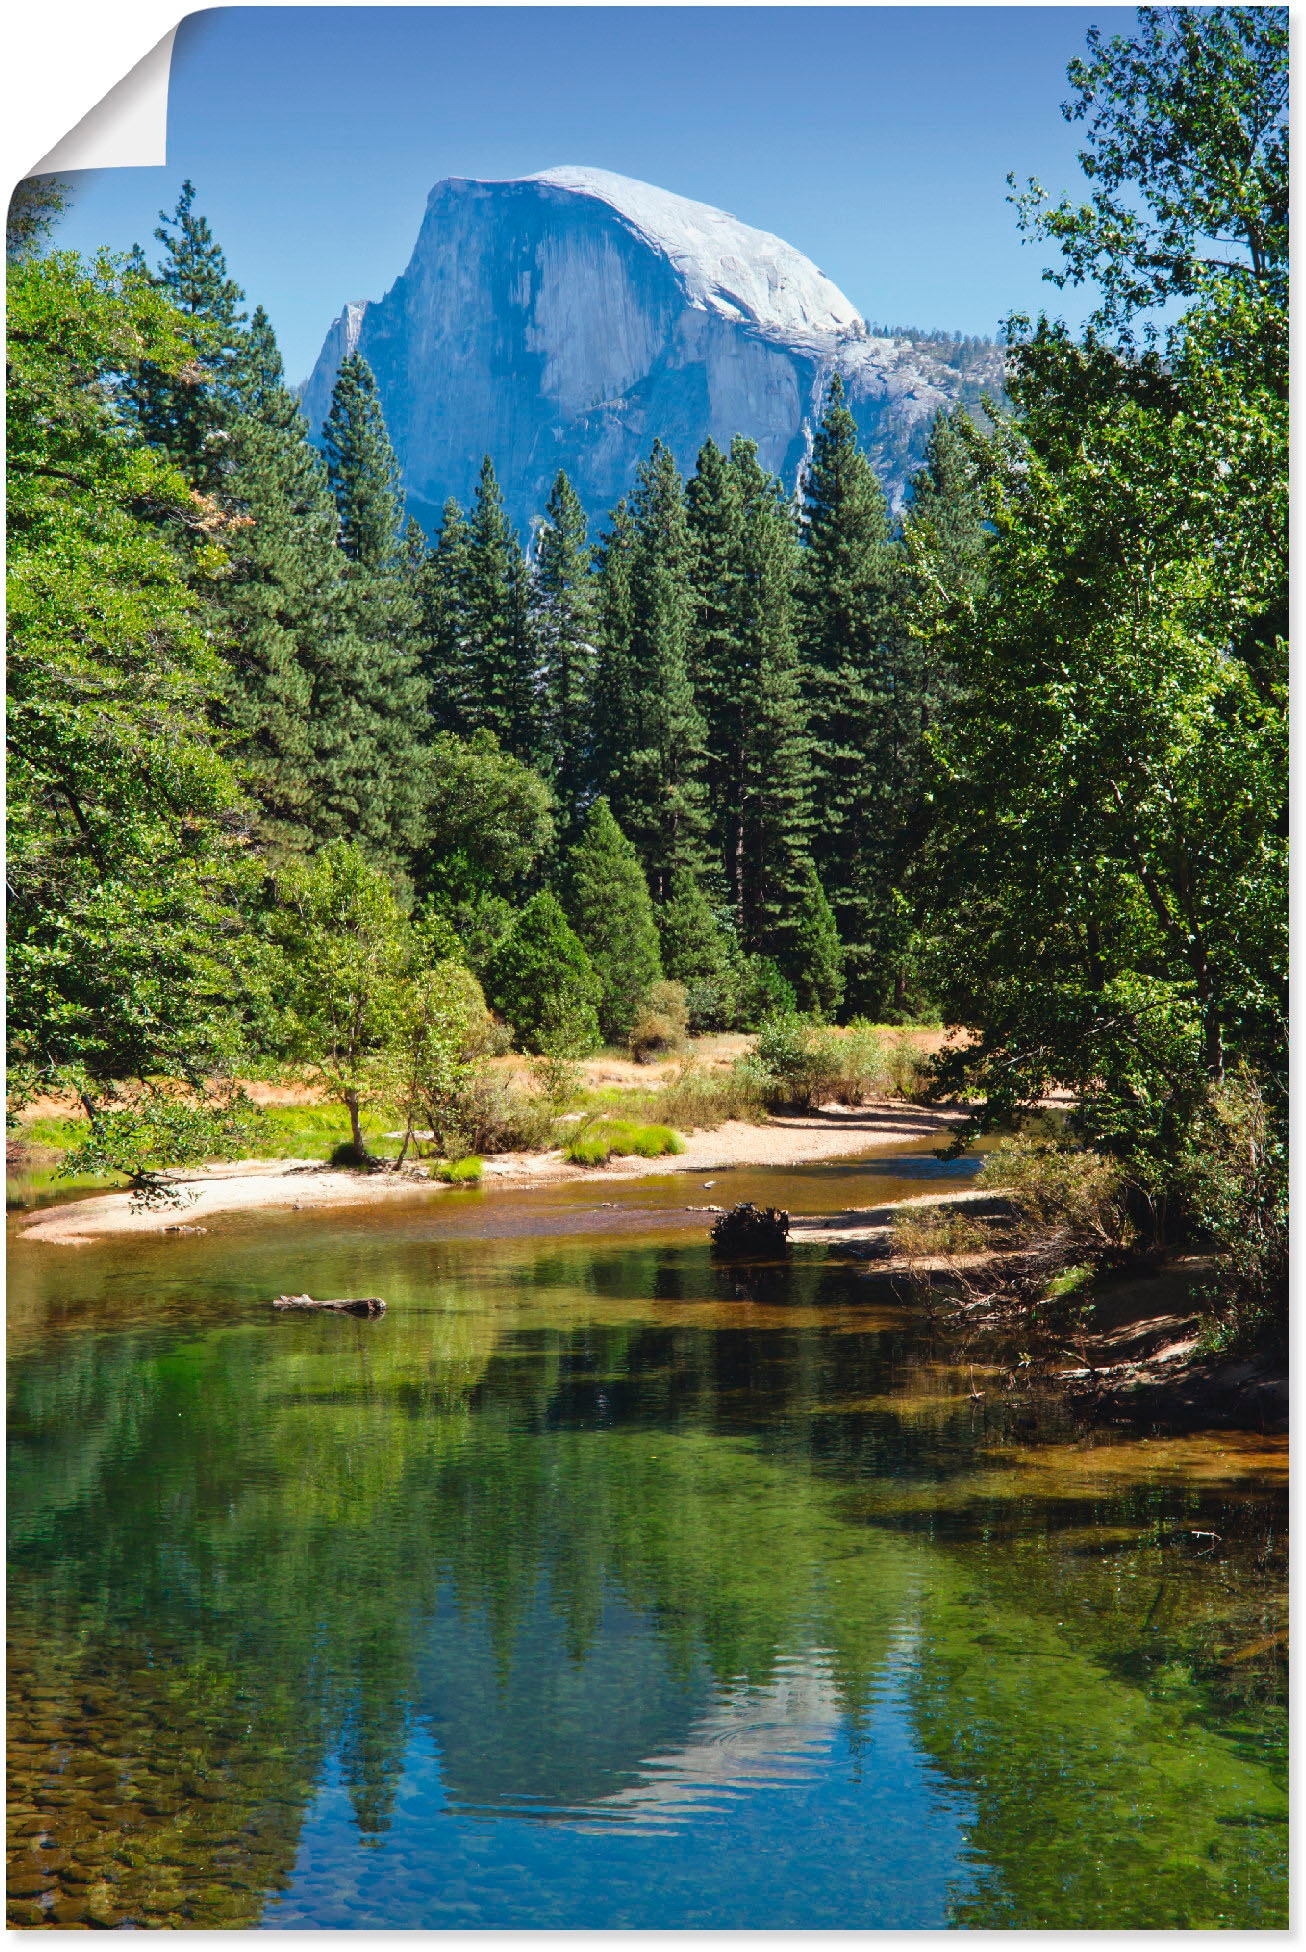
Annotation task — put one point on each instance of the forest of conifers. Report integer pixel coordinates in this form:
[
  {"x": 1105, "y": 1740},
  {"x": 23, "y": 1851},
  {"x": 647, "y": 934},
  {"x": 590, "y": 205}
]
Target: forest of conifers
[{"x": 1013, "y": 756}]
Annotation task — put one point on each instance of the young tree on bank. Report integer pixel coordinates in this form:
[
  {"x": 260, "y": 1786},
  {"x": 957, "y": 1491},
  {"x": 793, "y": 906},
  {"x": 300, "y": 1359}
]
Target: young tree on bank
[{"x": 609, "y": 908}]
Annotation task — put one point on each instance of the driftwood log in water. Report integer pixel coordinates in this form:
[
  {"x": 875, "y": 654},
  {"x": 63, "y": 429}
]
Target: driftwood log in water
[{"x": 365, "y": 1305}]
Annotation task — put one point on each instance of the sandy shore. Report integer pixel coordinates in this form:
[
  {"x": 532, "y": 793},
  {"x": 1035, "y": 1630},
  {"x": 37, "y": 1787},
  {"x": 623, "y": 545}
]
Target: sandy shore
[{"x": 254, "y": 1185}]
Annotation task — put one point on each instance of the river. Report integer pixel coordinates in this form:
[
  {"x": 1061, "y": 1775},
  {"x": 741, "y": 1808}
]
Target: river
[{"x": 584, "y": 1590}]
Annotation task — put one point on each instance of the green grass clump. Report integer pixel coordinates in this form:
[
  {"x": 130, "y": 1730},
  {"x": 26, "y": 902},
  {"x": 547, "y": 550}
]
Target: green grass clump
[
  {"x": 594, "y": 1145},
  {"x": 461, "y": 1172}
]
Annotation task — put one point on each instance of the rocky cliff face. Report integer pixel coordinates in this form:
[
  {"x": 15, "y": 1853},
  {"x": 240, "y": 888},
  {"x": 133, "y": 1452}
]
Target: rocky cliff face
[{"x": 565, "y": 320}]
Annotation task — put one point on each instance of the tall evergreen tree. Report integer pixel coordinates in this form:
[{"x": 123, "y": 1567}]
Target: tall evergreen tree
[
  {"x": 946, "y": 534},
  {"x": 376, "y": 700},
  {"x": 946, "y": 516},
  {"x": 362, "y": 467},
  {"x": 655, "y": 755},
  {"x": 851, "y": 591},
  {"x": 748, "y": 684},
  {"x": 614, "y": 698},
  {"x": 283, "y": 598},
  {"x": 698, "y": 952},
  {"x": 608, "y": 905},
  {"x": 813, "y": 956},
  {"x": 563, "y": 610},
  {"x": 190, "y": 414},
  {"x": 442, "y": 627},
  {"x": 502, "y": 661}
]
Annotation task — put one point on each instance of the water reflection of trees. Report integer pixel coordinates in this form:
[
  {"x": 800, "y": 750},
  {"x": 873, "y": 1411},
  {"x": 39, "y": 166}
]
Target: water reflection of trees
[{"x": 555, "y": 1550}]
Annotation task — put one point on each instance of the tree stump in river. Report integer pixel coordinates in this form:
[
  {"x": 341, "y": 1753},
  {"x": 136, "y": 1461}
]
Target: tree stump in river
[
  {"x": 362, "y": 1305},
  {"x": 751, "y": 1233}
]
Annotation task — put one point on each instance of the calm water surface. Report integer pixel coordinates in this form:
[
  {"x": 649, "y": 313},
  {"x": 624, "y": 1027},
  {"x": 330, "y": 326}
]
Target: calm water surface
[{"x": 580, "y": 1591}]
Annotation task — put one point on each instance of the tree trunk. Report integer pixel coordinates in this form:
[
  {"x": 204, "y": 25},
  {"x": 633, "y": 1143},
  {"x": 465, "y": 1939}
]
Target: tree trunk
[{"x": 355, "y": 1125}]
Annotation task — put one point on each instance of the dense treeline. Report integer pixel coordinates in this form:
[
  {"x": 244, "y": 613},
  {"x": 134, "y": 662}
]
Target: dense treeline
[
  {"x": 1019, "y": 752},
  {"x": 289, "y": 663}
]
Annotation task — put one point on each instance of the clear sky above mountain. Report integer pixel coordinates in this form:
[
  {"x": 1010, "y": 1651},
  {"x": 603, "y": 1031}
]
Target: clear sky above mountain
[{"x": 874, "y": 139}]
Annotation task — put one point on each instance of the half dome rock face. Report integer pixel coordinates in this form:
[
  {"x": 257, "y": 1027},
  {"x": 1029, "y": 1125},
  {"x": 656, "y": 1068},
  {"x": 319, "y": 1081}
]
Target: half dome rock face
[{"x": 565, "y": 320}]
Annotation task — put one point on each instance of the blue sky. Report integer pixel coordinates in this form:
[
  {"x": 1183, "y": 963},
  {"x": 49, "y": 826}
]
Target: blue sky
[{"x": 875, "y": 139}]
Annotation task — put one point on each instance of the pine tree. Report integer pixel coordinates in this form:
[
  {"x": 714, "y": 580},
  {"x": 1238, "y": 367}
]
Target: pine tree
[
  {"x": 376, "y": 700},
  {"x": 698, "y": 952},
  {"x": 653, "y": 756},
  {"x": 851, "y": 590},
  {"x": 718, "y": 654},
  {"x": 282, "y": 598},
  {"x": 502, "y": 661},
  {"x": 813, "y": 959},
  {"x": 614, "y": 696},
  {"x": 608, "y": 905},
  {"x": 775, "y": 814},
  {"x": 946, "y": 534},
  {"x": 362, "y": 467},
  {"x": 563, "y": 614},
  {"x": 540, "y": 978},
  {"x": 946, "y": 516},
  {"x": 442, "y": 627},
  {"x": 747, "y": 682},
  {"x": 191, "y": 415}
]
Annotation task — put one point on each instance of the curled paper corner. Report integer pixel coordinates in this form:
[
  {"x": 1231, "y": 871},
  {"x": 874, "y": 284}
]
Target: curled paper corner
[{"x": 127, "y": 128}]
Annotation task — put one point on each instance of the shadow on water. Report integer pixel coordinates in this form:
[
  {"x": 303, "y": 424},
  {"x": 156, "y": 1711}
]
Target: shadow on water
[{"x": 581, "y": 1590}]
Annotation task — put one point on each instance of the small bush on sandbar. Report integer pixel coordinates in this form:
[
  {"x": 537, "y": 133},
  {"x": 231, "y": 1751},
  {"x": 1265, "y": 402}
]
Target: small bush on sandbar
[
  {"x": 661, "y": 1023},
  {"x": 461, "y": 1172},
  {"x": 596, "y": 1144}
]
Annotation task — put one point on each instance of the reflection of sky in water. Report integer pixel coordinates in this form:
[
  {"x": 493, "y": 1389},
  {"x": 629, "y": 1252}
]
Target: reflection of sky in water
[{"x": 776, "y": 1816}]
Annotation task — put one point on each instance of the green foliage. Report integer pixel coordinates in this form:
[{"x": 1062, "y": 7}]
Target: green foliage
[
  {"x": 851, "y": 590},
  {"x": 747, "y": 685},
  {"x": 290, "y": 647},
  {"x": 1063, "y": 1191},
  {"x": 652, "y": 753},
  {"x": 500, "y": 656},
  {"x": 486, "y": 823},
  {"x": 362, "y": 468},
  {"x": 698, "y": 952},
  {"x": 540, "y": 978},
  {"x": 1113, "y": 916},
  {"x": 124, "y": 864},
  {"x": 609, "y": 908},
  {"x": 1234, "y": 1180},
  {"x": 33, "y": 210},
  {"x": 800, "y": 1066},
  {"x": 340, "y": 953},
  {"x": 814, "y": 958},
  {"x": 927, "y": 1231},
  {"x": 440, "y": 589},
  {"x": 188, "y": 412},
  {"x": 156, "y": 1131},
  {"x": 442, "y": 1034},
  {"x": 699, "y": 1100},
  {"x": 1187, "y": 152},
  {"x": 763, "y": 991}
]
